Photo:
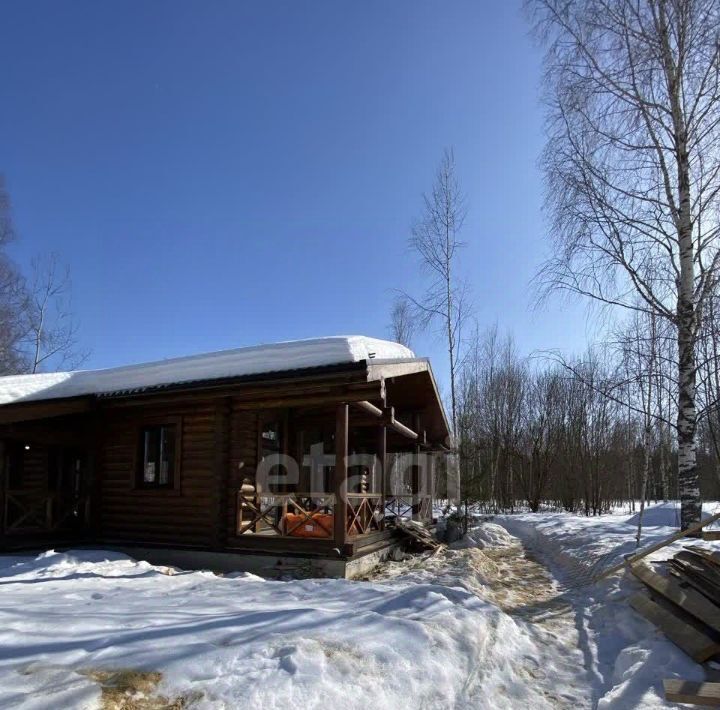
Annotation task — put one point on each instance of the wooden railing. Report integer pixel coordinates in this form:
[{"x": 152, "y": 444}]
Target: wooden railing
[
  {"x": 30, "y": 511},
  {"x": 398, "y": 506},
  {"x": 406, "y": 505},
  {"x": 365, "y": 513},
  {"x": 312, "y": 515},
  {"x": 297, "y": 515}
]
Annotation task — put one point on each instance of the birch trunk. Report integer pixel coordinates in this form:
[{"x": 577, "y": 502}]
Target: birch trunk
[{"x": 688, "y": 480}]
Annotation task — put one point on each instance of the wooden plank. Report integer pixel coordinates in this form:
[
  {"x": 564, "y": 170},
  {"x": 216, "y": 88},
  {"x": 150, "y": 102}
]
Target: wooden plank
[
  {"x": 692, "y": 692},
  {"x": 420, "y": 535},
  {"x": 657, "y": 546},
  {"x": 711, "y": 535},
  {"x": 686, "y": 573},
  {"x": 696, "y": 644},
  {"x": 712, "y": 557},
  {"x": 707, "y": 570},
  {"x": 685, "y": 597}
]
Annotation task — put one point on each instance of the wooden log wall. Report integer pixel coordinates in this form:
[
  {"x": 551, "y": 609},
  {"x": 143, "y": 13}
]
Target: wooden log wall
[
  {"x": 184, "y": 516},
  {"x": 219, "y": 445}
]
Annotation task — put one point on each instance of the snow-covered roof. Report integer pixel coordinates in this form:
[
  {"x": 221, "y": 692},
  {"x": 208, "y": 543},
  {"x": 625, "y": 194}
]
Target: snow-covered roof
[{"x": 239, "y": 362}]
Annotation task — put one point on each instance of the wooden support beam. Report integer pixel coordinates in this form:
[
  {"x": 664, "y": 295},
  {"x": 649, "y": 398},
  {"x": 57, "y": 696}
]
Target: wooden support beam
[
  {"x": 369, "y": 407},
  {"x": 330, "y": 399},
  {"x": 687, "y": 598},
  {"x": 692, "y": 692},
  {"x": 389, "y": 415},
  {"x": 397, "y": 426},
  {"x": 340, "y": 475},
  {"x": 382, "y": 458},
  {"x": 699, "y": 646}
]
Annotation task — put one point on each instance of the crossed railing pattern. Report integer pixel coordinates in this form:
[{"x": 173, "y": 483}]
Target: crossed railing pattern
[
  {"x": 311, "y": 515},
  {"x": 365, "y": 513},
  {"x": 403, "y": 506},
  {"x": 286, "y": 514},
  {"x": 30, "y": 511}
]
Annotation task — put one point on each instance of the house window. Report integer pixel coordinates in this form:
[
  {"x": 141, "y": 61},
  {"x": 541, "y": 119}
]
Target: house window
[
  {"x": 65, "y": 468},
  {"x": 157, "y": 448}
]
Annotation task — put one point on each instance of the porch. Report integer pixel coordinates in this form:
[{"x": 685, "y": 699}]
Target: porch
[{"x": 331, "y": 481}]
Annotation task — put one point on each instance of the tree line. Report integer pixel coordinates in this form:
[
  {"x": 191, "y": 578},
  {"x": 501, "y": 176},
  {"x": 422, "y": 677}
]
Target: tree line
[{"x": 584, "y": 434}]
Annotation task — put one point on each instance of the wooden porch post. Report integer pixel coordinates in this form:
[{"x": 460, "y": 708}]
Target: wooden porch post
[
  {"x": 221, "y": 472},
  {"x": 415, "y": 484},
  {"x": 416, "y": 478},
  {"x": 3, "y": 492},
  {"x": 340, "y": 476},
  {"x": 431, "y": 481},
  {"x": 382, "y": 460}
]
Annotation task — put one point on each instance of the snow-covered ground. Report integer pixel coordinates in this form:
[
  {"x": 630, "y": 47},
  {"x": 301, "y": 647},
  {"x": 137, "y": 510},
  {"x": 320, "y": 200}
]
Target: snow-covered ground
[
  {"x": 483, "y": 625},
  {"x": 626, "y": 657}
]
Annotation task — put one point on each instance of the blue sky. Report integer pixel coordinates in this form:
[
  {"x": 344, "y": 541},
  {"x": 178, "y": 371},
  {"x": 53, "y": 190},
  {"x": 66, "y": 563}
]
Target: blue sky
[{"x": 228, "y": 173}]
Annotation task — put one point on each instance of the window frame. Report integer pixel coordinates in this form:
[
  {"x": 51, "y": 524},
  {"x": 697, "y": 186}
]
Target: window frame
[{"x": 138, "y": 483}]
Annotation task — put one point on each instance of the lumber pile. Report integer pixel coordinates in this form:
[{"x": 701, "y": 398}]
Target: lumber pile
[
  {"x": 697, "y": 529},
  {"x": 416, "y": 537},
  {"x": 700, "y": 569},
  {"x": 694, "y": 693},
  {"x": 684, "y": 604}
]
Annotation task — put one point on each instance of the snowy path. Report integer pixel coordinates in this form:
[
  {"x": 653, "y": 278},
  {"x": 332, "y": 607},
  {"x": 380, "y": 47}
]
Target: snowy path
[
  {"x": 625, "y": 657},
  {"x": 506, "y": 575}
]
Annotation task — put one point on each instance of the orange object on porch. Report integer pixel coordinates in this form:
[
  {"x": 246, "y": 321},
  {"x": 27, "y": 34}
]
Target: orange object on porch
[{"x": 315, "y": 525}]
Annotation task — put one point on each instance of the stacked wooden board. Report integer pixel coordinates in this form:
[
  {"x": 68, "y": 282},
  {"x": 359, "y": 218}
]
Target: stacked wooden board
[
  {"x": 694, "y": 693},
  {"x": 416, "y": 536},
  {"x": 685, "y": 605}
]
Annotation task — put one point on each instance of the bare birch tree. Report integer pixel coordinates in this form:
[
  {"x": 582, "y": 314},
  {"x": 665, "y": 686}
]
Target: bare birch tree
[
  {"x": 632, "y": 166},
  {"x": 402, "y": 325},
  {"x": 51, "y": 330},
  {"x": 435, "y": 238}
]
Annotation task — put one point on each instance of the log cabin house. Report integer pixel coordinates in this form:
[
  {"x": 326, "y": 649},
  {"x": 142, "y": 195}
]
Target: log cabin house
[{"x": 164, "y": 460}]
